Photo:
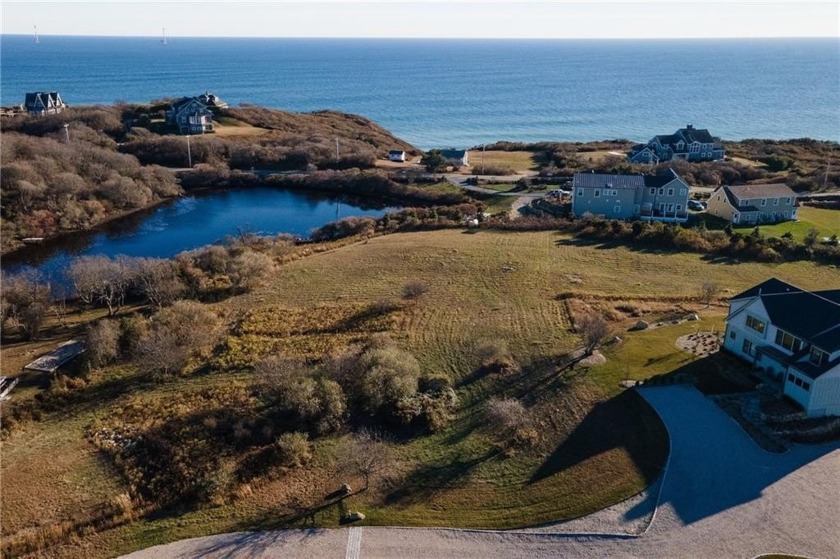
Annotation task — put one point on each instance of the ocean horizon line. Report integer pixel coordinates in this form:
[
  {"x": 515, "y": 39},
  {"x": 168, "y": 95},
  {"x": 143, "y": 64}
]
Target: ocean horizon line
[{"x": 170, "y": 36}]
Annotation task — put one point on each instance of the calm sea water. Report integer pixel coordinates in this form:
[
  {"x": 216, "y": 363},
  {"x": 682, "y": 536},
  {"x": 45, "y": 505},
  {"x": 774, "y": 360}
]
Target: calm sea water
[{"x": 462, "y": 93}]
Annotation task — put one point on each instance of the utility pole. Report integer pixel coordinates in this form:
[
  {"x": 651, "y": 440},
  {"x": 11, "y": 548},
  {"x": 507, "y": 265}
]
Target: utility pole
[
  {"x": 67, "y": 132},
  {"x": 482, "y": 157},
  {"x": 336, "y": 150},
  {"x": 189, "y": 152}
]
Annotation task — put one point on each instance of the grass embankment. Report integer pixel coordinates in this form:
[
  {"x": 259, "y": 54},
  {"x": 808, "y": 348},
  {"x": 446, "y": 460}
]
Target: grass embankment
[
  {"x": 825, "y": 221},
  {"x": 598, "y": 444}
]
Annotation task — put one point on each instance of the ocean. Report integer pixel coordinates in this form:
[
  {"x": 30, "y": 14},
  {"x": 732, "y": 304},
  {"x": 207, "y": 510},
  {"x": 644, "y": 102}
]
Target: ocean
[{"x": 462, "y": 93}]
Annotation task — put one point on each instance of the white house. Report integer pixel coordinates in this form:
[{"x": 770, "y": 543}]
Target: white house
[
  {"x": 397, "y": 155},
  {"x": 793, "y": 335},
  {"x": 458, "y": 157}
]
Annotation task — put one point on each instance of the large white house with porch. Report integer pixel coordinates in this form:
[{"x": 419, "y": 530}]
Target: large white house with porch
[{"x": 792, "y": 335}]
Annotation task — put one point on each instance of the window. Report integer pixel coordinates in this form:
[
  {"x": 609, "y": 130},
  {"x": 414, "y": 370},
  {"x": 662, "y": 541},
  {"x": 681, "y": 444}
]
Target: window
[
  {"x": 682, "y": 191},
  {"x": 747, "y": 347},
  {"x": 791, "y": 377},
  {"x": 580, "y": 192},
  {"x": 661, "y": 191},
  {"x": 679, "y": 207},
  {"x": 790, "y": 343},
  {"x": 670, "y": 192},
  {"x": 764, "y": 201},
  {"x": 797, "y": 381},
  {"x": 670, "y": 208},
  {"x": 786, "y": 213},
  {"x": 755, "y": 324},
  {"x": 597, "y": 193},
  {"x": 775, "y": 201},
  {"x": 617, "y": 209},
  {"x": 742, "y": 203},
  {"x": 732, "y": 335},
  {"x": 816, "y": 356},
  {"x": 806, "y": 386},
  {"x": 787, "y": 200},
  {"x": 636, "y": 209}
]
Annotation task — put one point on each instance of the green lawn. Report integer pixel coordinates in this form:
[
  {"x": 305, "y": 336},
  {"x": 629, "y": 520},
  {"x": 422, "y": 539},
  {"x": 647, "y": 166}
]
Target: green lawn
[{"x": 826, "y": 221}]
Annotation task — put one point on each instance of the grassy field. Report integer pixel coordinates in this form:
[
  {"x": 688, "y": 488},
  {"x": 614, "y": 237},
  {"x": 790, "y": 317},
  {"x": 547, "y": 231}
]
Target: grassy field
[
  {"x": 518, "y": 161},
  {"x": 598, "y": 444}
]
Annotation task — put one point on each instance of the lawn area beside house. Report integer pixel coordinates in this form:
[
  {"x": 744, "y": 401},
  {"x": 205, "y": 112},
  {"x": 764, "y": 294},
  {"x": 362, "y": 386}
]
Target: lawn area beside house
[
  {"x": 826, "y": 221},
  {"x": 598, "y": 444}
]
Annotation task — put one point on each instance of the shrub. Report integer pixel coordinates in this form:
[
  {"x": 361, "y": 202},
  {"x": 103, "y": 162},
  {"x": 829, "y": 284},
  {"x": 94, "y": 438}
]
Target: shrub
[
  {"x": 102, "y": 344},
  {"x": 294, "y": 449},
  {"x": 495, "y": 356},
  {"x": 414, "y": 290}
]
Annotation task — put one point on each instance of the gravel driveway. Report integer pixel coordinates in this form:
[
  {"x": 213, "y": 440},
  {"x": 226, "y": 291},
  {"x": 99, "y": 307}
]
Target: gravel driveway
[{"x": 721, "y": 496}]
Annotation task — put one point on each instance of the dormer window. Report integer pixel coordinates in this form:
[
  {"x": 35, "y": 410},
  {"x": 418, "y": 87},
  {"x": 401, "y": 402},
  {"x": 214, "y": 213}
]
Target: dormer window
[
  {"x": 816, "y": 356},
  {"x": 787, "y": 341}
]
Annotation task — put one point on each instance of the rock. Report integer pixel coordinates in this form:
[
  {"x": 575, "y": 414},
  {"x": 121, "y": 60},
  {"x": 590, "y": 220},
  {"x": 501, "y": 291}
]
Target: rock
[
  {"x": 345, "y": 489},
  {"x": 354, "y": 516},
  {"x": 641, "y": 325},
  {"x": 692, "y": 316}
]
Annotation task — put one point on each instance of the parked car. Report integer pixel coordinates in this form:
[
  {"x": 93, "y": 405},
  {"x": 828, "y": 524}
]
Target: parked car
[{"x": 696, "y": 205}]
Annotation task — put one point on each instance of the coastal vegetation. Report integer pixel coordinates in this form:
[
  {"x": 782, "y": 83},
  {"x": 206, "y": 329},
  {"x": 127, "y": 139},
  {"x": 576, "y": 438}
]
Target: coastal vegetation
[
  {"x": 74, "y": 170},
  {"x": 407, "y": 342}
]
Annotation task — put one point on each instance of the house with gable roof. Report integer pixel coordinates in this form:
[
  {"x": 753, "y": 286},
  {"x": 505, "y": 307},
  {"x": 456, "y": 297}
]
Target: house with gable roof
[
  {"x": 190, "y": 116},
  {"x": 753, "y": 203},
  {"x": 42, "y": 103},
  {"x": 793, "y": 335},
  {"x": 662, "y": 197},
  {"x": 688, "y": 144}
]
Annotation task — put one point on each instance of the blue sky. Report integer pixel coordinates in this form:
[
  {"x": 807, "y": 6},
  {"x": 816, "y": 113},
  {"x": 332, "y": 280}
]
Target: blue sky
[{"x": 467, "y": 19}]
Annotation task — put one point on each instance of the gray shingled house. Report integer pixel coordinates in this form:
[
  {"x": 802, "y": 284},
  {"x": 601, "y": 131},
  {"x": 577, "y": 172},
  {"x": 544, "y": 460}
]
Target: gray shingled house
[
  {"x": 190, "y": 116},
  {"x": 661, "y": 197},
  {"x": 43, "y": 103},
  {"x": 688, "y": 144}
]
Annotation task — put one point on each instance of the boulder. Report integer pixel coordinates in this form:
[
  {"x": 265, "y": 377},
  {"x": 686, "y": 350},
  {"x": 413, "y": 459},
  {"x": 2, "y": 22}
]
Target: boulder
[
  {"x": 354, "y": 516},
  {"x": 641, "y": 325},
  {"x": 692, "y": 316}
]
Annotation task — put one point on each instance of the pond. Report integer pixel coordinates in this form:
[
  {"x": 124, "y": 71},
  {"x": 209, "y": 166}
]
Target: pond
[{"x": 191, "y": 222}]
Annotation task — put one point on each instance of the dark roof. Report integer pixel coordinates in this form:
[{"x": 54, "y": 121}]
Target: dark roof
[
  {"x": 772, "y": 286},
  {"x": 811, "y": 316},
  {"x": 32, "y": 99},
  {"x": 453, "y": 153},
  {"x": 814, "y": 371},
  {"x": 632, "y": 182},
  {"x": 692, "y": 134},
  {"x": 395, "y": 151}
]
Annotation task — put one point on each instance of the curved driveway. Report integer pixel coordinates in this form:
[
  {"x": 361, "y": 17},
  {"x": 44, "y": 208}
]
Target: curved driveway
[{"x": 722, "y": 496}]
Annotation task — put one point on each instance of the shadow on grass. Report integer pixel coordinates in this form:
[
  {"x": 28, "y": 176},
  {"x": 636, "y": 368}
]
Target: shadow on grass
[
  {"x": 425, "y": 481},
  {"x": 625, "y": 421}
]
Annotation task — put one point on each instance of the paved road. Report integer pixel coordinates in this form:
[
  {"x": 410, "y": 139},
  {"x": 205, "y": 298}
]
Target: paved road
[
  {"x": 722, "y": 496},
  {"x": 461, "y": 182}
]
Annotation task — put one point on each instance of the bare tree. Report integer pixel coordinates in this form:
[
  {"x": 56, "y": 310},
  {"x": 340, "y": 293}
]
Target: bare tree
[
  {"x": 99, "y": 279},
  {"x": 365, "y": 454},
  {"x": 593, "y": 328},
  {"x": 24, "y": 304},
  {"x": 708, "y": 291},
  {"x": 158, "y": 281}
]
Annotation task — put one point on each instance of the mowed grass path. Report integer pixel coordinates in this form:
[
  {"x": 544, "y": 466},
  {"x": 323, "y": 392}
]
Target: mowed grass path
[{"x": 599, "y": 445}]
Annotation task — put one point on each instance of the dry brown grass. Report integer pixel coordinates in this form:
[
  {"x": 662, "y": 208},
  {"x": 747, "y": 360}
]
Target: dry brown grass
[
  {"x": 484, "y": 285},
  {"x": 518, "y": 161}
]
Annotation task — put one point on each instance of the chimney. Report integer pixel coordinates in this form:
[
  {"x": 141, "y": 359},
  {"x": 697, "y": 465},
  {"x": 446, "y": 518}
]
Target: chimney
[{"x": 689, "y": 127}]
